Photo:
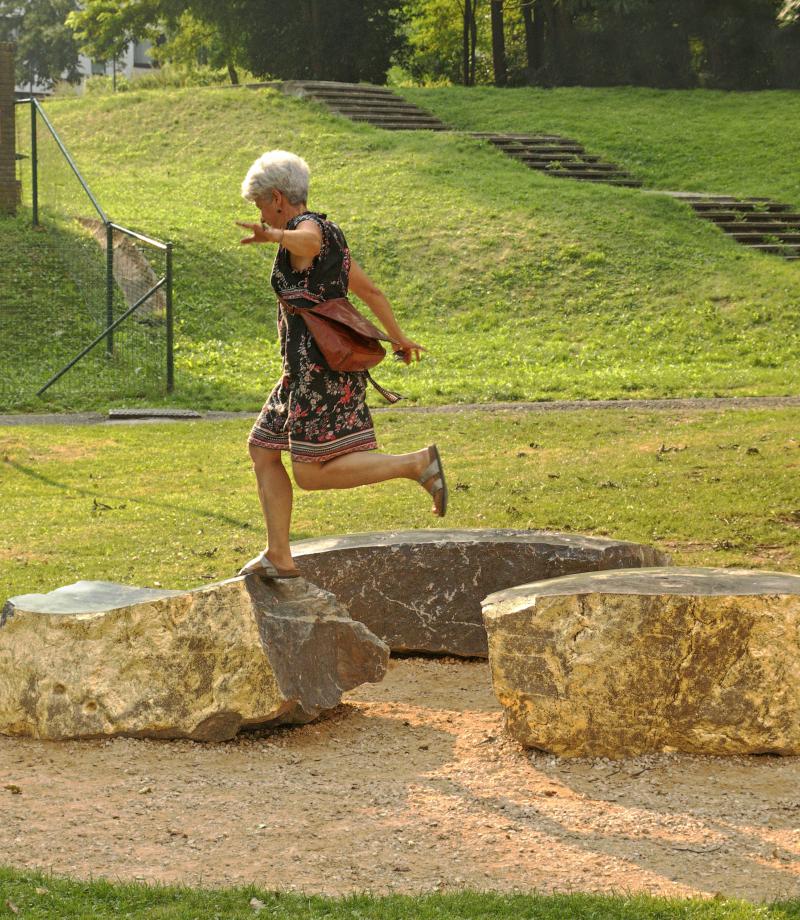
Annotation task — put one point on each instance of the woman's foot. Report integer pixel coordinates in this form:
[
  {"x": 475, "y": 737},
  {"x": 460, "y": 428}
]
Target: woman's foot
[
  {"x": 431, "y": 478},
  {"x": 268, "y": 565}
]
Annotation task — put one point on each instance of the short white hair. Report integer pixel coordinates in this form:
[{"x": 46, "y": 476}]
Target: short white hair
[{"x": 277, "y": 169}]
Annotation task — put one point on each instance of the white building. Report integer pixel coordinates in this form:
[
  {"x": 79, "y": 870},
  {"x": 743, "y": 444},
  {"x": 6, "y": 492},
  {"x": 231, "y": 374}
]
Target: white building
[{"x": 134, "y": 61}]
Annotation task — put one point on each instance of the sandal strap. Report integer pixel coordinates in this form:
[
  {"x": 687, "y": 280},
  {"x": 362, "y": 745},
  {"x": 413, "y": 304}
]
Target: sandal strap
[{"x": 432, "y": 470}]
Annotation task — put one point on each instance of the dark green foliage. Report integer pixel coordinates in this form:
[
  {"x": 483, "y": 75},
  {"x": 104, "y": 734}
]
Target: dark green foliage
[
  {"x": 46, "y": 49},
  {"x": 676, "y": 44},
  {"x": 348, "y": 40}
]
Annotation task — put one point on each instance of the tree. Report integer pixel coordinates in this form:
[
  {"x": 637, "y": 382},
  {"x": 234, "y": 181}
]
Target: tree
[
  {"x": 499, "y": 44},
  {"x": 46, "y": 49},
  {"x": 348, "y": 40}
]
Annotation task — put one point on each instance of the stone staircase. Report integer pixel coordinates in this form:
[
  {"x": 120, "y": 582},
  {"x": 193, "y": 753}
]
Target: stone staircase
[
  {"x": 560, "y": 157},
  {"x": 760, "y": 223},
  {"x": 375, "y": 105}
]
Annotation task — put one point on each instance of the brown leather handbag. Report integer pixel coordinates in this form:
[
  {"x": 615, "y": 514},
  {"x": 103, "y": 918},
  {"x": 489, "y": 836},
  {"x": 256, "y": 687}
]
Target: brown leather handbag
[{"x": 348, "y": 341}]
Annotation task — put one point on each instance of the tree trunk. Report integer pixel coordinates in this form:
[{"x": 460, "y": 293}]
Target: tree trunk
[
  {"x": 498, "y": 44},
  {"x": 233, "y": 76},
  {"x": 473, "y": 36},
  {"x": 465, "y": 37},
  {"x": 534, "y": 40}
]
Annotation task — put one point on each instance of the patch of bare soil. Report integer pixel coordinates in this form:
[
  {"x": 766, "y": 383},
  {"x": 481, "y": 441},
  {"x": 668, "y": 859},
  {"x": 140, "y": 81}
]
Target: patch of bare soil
[{"x": 410, "y": 785}]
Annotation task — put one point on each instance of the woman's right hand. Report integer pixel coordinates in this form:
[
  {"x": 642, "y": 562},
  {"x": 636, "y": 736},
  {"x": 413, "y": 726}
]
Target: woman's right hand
[{"x": 261, "y": 234}]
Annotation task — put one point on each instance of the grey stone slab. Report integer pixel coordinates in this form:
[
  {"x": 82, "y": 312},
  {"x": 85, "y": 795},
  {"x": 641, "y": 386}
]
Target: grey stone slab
[{"x": 421, "y": 590}]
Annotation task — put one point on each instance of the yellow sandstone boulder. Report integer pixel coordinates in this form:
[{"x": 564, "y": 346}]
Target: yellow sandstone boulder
[
  {"x": 620, "y": 663},
  {"x": 96, "y": 659}
]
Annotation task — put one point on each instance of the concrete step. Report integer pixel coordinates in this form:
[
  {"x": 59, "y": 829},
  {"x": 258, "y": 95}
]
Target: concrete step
[
  {"x": 501, "y": 139},
  {"x": 611, "y": 178},
  {"x": 525, "y": 152},
  {"x": 388, "y": 106},
  {"x": 558, "y": 158},
  {"x": 743, "y": 206},
  {"x": 790, "y": 251},
  {"x": 782, "y": 217},
  {"x": 326, "y": 86},
  {"x": 394, "y": 120},
  {"x": 756, "y": 237},
  {"x": 584, "y": 167},
  {"x": 391, "y": 116},
  {"x": 756, "y": 226}
]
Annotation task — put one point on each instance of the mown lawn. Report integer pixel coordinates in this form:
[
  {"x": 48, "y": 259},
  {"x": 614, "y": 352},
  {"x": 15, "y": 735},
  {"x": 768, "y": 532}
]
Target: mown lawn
[
  {"x": 520, "y": 286},
  {"x": 175, "y": 504},
  {"x": 44, "y": 897}
]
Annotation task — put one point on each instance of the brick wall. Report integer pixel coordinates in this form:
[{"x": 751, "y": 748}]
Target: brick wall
[{"x": 9, "y": 187}]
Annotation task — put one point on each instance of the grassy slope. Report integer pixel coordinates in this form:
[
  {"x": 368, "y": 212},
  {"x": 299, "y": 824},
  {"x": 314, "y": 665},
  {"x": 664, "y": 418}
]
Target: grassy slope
[
  {"x": 521, "y": 287},
  {"x": 697, "y": 140}
]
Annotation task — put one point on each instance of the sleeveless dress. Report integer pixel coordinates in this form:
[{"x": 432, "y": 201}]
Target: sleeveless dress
[{"x": 313, "y": 412}]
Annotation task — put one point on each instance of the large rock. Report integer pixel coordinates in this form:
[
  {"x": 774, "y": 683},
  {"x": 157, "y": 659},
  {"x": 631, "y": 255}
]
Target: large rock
[
  {"x": 616, "y": 664},
  {"x": 421, "y": 590},
  {"x": 97, "y": 658}
]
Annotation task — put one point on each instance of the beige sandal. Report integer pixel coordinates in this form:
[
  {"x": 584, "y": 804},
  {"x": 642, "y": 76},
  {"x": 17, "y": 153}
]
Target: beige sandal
[
  {"x": 260, "y": 565},
  {"x": 433, "y": 481}
]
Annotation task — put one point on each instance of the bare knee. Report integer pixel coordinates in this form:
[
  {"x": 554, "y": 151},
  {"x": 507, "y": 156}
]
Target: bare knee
[
  {"x": 263, "y": 456},
  {"x": 308, "y": 476}
]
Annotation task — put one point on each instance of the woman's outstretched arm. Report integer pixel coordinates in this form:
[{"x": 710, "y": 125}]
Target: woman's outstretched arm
[{"x": 365, "y": 288}]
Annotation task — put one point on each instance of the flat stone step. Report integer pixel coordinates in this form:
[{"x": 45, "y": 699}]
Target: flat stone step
[
  {"x": 544, "y": 152},
  {"x": 733, "y": 204},
  {"x": 421, "y": 590},
  {"x": 345, "y": 101},
  {"x": 393, "y": 116},
  {"x": 583, "y": 167},
  {"x": 327, "y": 86},
  {"x": 375, "y": 107},
  {"x": 585, "y": 174},
  {"x": 775, "y": 247},
  {"x": 736, "y": 226},
  {"x": 756, "y": 237},
  {"x": 502, "y": 139}
]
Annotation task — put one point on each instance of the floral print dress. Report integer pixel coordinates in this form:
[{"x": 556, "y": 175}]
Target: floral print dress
[{"x": 313, "y": 412}]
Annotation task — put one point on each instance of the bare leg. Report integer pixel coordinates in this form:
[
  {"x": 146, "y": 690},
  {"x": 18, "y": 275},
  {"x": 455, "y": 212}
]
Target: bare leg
[
  {"x": 360, "y": 469},
  {"x": 275, "y": 495}
]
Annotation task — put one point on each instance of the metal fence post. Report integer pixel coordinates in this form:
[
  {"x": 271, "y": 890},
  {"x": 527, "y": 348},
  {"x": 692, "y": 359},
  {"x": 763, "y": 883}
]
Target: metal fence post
[
  {"x": 109, "y": 288},
  {"x": 34, "y": 167},
  {"x": 170, "y": 361}
]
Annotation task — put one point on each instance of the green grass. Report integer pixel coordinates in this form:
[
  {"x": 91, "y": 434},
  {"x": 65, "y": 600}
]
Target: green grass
[
  {"x": 521, "y": 287},
  {"x": 176, "y": 504},
  {"x": 733, "y": 143},
  {"x": 62, "y": 899}
]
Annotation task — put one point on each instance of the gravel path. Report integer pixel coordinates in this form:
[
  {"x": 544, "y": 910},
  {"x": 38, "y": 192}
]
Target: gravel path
[
  {"x": 410, "y": 785},
  {"x": 733, "y": 402}
]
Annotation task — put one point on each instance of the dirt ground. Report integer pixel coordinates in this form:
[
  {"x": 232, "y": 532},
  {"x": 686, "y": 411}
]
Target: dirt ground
[{"x": 409, "y": 785}]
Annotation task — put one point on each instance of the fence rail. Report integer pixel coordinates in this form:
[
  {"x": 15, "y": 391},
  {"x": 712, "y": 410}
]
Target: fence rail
[{"x": 89, "y": 281}]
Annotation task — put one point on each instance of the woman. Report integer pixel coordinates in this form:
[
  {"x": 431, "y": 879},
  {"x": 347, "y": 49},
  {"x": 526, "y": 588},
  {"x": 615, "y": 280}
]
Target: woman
[{"x": 318, "y": 415}]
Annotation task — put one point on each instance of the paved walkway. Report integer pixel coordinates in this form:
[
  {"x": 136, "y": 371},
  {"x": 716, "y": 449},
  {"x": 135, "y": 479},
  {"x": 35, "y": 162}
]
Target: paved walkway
[{"x": 734, "y": 402}]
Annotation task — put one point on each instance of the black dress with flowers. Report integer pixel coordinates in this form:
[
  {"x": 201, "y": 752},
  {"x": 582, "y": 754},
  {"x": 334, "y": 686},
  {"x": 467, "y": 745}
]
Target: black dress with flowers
[{"x": 313, "y": 412}]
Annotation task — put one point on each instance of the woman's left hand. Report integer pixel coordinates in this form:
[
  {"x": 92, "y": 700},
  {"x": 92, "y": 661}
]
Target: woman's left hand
[{"x": 407, "y": 349}]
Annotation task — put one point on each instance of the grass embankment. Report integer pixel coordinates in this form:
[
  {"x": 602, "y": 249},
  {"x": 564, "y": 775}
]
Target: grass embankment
[
  {"x": 176, "y": 504},
  {"x": 520, "y": 286},
  {"x": 49, "y": 898},
  {"x": 692, "y": 141}
]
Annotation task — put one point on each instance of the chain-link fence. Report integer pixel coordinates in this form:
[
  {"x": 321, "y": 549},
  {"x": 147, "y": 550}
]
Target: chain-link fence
[{"x": 86, "y": 309}]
